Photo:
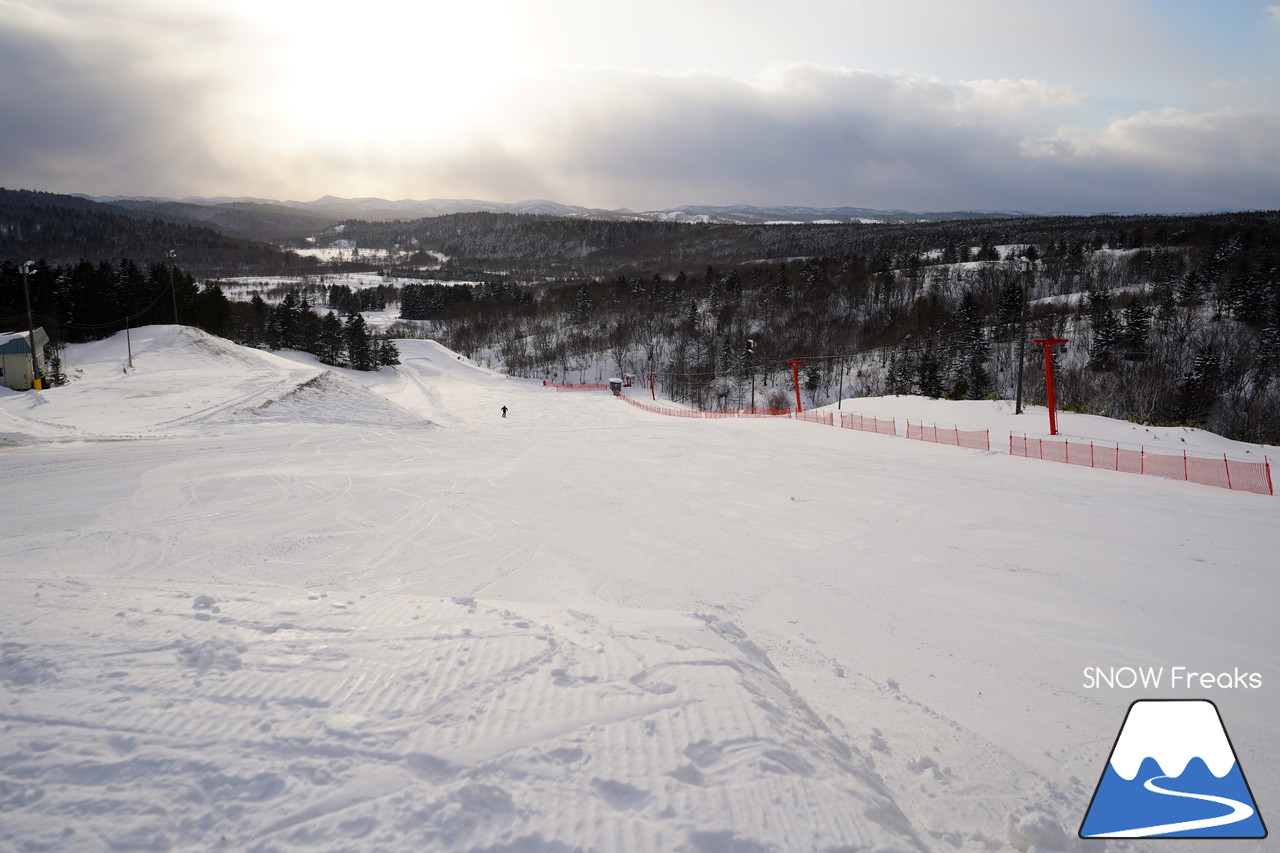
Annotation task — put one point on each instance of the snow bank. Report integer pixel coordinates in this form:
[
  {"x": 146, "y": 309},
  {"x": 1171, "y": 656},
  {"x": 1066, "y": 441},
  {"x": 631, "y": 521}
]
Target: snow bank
[{"x": 182, "y": 382}]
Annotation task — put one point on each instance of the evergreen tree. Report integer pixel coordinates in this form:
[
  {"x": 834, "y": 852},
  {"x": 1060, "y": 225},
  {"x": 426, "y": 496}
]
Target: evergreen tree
[
  {"x": 1190, "y": 288},
  {"x": 582, "y": 306},
  {"x": 282, "y": 323},
  {"x": 1106, "y": 341},
  {"x": 782, "y": 287},
  {"x": 213, "y": 310},
  {"x": 388, "y": 353},
  {"x": 1137, "y": 330},
  {"x": 929, "y": 374},
  {"x": 1106, "y": 328},
  {"x": 973, "y": 350},
  {"x": 1268, "y": 364},
  {"x": 980, "y": 383},
  {"x": 360, "y": 355},
  {"x": 54, "y": 376},
  {"x": 1198, "y": 390},
  {"x": 307, "y": 327},
  {"x": 331, "y": 341},
  {"x": 1008, "y": 310},
  {"x": 987, "y": 251}
]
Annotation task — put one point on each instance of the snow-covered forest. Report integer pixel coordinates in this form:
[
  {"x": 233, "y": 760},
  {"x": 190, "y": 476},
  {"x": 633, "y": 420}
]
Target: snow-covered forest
[{"x": 1168, "y": 321}]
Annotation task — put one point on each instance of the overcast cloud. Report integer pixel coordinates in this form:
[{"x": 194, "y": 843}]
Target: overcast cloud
[{"x": 189, "y": 98}]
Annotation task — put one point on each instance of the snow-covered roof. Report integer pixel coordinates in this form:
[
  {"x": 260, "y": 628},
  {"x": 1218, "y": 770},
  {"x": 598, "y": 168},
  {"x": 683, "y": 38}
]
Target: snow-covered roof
[{"x": 12, "y": 343}]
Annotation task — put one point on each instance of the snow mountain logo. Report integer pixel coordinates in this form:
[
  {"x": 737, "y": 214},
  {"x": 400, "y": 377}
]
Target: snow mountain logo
[{"x": 1172, "y": 774}]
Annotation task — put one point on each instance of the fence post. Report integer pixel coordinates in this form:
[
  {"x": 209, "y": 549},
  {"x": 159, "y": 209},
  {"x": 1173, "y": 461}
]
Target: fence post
[
  {"x": 1184, "y": 465},
  {"x": 1142, "y": 459},
  {"x": 1267, "y": 462},
  {"x": 1010, "y": 442},
  {"x": 1117, "y": 456},
  {"x": 988, "y": 432},
  {"x": 1227, "y": 466},
  {"x": 1091, "y": 457}
]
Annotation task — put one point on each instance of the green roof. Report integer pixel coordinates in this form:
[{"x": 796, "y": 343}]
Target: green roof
[{"x": 15, "y": 343}]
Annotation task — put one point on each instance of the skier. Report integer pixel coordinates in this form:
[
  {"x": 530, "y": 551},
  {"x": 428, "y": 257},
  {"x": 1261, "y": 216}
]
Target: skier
[{"x": 504, "y": 411}]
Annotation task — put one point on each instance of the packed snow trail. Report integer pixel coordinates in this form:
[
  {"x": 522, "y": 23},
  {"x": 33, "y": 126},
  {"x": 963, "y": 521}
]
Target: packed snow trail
[{"x": 871, "y": 642}]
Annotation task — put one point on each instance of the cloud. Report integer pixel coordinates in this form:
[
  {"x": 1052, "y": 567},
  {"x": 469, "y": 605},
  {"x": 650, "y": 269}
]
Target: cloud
[
  {"x": 91, "y": 99},
  {"x": 161, "y": 102},
  {"x": 820, "y": 136},
  {"x": 1015, "y": 95}
]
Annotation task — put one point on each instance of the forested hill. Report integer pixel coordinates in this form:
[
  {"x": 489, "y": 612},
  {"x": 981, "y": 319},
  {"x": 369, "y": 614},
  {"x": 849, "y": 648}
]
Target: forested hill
[
  {"x": 1170, "y": 319},
  {"x": 66, "y": 229},
  {"x": 552, "y": 245}
]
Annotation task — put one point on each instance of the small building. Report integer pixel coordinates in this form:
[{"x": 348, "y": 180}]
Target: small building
[{"x": 15, "y": 358}]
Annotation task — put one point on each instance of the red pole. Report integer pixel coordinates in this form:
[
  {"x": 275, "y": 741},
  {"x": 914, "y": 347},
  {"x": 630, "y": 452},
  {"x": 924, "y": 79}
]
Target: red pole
[
  {"x": 1047, "y": 344},
  {"x": 652, "y": 393},
  {"x": 795, "y": 377},
  {"x": 1270, "y": 488}
]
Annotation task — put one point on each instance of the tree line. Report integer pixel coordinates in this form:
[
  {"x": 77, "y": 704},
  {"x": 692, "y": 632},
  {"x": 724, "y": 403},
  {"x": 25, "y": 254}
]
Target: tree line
[
  {"x": 80, "y": 302},
  {"x": 1179, "y": 332},
  {"x": 295, "y": 324},
  {"x": 64, "y": 229}
]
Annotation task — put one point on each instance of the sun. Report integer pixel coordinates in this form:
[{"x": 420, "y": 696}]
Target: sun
[{"x": 375, "y": 76}]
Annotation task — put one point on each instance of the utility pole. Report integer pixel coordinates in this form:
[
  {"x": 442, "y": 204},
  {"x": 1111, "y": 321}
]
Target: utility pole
[
  {"x": 1048, "y": 344},
  {"x": 31, "y": 325},
  {"x": 751, "y": 365},
  {"x": 173, "y": 284},
  {"x": 1022, "y": 330},
  {"x": 795, "y": 378},
  {"x": 840, "y": 387},
  {"x": 128, "y": 339}
]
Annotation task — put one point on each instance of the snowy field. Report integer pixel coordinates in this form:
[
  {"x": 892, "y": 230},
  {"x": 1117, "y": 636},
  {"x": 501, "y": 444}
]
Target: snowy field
[{"x": 251, "y": 603}]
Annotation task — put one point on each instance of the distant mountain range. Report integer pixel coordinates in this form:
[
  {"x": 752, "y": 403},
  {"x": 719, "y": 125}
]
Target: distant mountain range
[{"x": 383, "y": 210}]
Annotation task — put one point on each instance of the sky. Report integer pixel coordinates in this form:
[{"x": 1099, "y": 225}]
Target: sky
[{"x": 1038, "y": 105}]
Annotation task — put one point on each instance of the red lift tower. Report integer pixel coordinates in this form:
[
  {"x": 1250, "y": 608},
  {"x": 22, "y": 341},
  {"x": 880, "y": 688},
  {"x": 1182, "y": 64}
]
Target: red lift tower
[
  {"x": 1048, "y": 344},
  {"x": 795, "y": 377}
]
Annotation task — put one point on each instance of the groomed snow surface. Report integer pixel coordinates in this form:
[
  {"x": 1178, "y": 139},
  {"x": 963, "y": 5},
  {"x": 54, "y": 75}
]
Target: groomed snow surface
[{"x": 251, "y": 603}]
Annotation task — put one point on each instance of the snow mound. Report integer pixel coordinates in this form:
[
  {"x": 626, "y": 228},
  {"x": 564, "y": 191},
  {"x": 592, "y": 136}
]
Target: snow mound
[
  {"x": 184, "y": 381},
  {"x": 157, "y": 348},
  {"x": 434, "y": 359},
  {"x": 329, "y": 398}
]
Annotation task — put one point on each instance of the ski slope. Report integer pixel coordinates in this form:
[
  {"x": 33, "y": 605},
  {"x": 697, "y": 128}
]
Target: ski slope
[{"x": 248, "y": 602}]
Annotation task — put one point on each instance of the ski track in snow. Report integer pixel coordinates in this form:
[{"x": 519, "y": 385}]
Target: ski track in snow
[
  {"x": 318, "y": 610},
  {"x": 278, "y": 721}
]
